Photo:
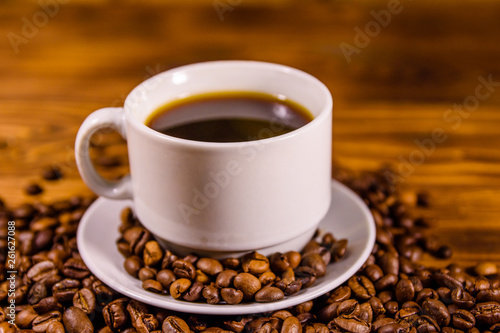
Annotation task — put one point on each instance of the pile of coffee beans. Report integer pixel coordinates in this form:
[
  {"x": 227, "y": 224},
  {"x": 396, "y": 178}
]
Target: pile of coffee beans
[
  {"x": 49, "y": 288},
  {"x": 253, "y": 277}
]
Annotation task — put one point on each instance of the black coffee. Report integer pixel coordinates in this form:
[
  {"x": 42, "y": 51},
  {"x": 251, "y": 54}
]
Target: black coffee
[{"x": 229, "y": 117}]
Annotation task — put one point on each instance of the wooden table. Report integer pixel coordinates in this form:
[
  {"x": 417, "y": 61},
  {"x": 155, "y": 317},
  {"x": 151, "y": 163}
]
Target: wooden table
[{"x": 416, "y": 86}]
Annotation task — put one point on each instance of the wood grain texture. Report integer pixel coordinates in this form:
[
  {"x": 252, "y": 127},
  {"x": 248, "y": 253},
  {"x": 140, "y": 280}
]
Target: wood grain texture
[{"x": 399, "y": 87}]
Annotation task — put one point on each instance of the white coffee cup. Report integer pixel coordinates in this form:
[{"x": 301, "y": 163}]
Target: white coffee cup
[{"x": 221, "y": 198}]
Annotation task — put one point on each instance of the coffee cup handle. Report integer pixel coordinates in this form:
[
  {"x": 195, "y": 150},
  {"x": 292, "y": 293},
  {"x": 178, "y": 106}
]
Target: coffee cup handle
[{"x": 112, "y": 117}]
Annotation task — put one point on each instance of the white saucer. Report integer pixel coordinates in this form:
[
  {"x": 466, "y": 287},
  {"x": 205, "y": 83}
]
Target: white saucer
[{"x": 348, "y": 217}]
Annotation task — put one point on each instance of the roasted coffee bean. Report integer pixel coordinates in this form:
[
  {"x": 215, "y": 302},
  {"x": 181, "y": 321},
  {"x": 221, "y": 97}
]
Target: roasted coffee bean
[
  {"x": 65, "y": 290},
  {"x": 388, "y": 281},
  {"x": 338, "y": 250},
  {"x": 305, "y": 275},
  {"x": 444, "y": 252},
  {"x": 225, "y": 278},
  {"x": 37, "y": 292},
  {"x": 328, "y": 312},
  {"x": 389, "y": 263},
  {"x": 115, "y": 314},
  {"x": 40, "y": 323},
  {"x": 425, "y": 294},
  {"x": 488, "y": 295},
  {"x": 183, "y": 269},
  {"x": 279, "y": 262},
  {"x": 373, "y": 272},
  {"x": 43, "y": 223},
  {"x": 349, "y": 307},
  {"x": 463, "y": 319},
  {"x": 294, "y": 258},
  {"x": 340, "y": 294},
  {"x": 377, "y": 306},
  {"x": 174, "y": 324},
  {"x": 231, "y": 295},
  {"x": 289, "y": 273},
  {"x": 381, "y": 322},
  {"x": 40, "y": 270},
  {"x": 267, "y": 278},
  {"x": 24, "y": 318},
  {"x": 256, "y": 325},
  {"x": 487, "y": 313},
  {"x": 133, "y": 265},
  {"x": 362, "y": 287},
  {"x": 292, "y": 325},
  {"x": 427, "y": 324},
  {"x": 366, "y": 312},
  {"x": 269, "y": 294},
  {"x": 314, "y": 261},
  {"x": 152, "y": 286},
  {"x": 137, "y": 237},
  {"x": 153, "y": 253},
  {"x": 215, "y": 330},
  {"x": 249, "y": 284},
  {"x": 211, "y": 294},
  {"x": 52, "y": 173},
  {"x": 146, "y": 323},
  {"x": 231, "y": 263},
  {"x": 446, "y": 280},
  {"x": 24, "y": 211},
  {"x": 75, "y": 268},
  {"x": 391, "y": 308},
  {"x": 165, "y": 277},
  {"x": 393, "y": 328},
  {"x": 209, "y": 266},
  {"x": 191, "y": 258},
  {"x": 404, "y": 291},
  {"x": 102, "y": 293},
  {"x": 486, "y": 268},
  {"x": 136, "y": 309},
  {"x": 48, "y": 304},
  {"x": 168, "y": 259},
  {"x": 289, "y": 286},
  {"x": 179, "y": 287},
  {"x": 76, "y": 321},
  {"x": 123, "y": 247},
  {"x": 354, "y": 325},
  {"x": 462, "y": 298},
  {"x": 437, "y": 310},
  {"x": 84, "y": 299},
  {"x": 146, "y": 273},
  {"x": 43, "y": 239},
  {"x": 194, "y": 292},
  {"x": 255, "y": 263},
  {"x": 55, "y": 327},
  {"x": 201, "y": 277}
]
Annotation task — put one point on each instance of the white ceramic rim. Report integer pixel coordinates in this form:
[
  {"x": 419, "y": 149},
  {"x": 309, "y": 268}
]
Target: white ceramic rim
[{"x": 131, "y": 99}]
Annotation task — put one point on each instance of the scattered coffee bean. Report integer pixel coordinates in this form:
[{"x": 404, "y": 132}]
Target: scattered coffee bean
[
  {"x": 52, "y": 173},
  {"x": 33, "y": 189},
  {"x": 174, "y": 324},
  {"x": 269, "y": 294},
  {"x": 231, "y": 295},
  {"x": 76, "y": 321}
]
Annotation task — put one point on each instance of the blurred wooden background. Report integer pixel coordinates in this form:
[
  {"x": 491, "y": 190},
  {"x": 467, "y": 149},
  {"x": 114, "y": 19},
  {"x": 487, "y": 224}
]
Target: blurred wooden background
[{"x": 399, "y": 71}]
